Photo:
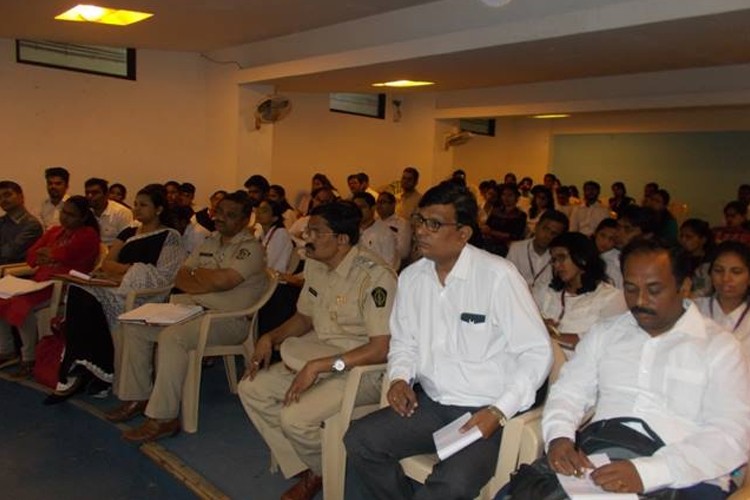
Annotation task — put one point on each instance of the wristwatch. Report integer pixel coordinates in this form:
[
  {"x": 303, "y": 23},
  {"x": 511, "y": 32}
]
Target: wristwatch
[
  {"x": 497, "y": 413},
  {"x": 339, "y": 365}
]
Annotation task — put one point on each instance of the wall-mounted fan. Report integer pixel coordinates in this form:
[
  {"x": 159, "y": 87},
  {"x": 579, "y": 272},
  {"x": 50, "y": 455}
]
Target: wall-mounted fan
[
  {"x": 456, "y": 139},
  {"x": 272, "y": 109}
]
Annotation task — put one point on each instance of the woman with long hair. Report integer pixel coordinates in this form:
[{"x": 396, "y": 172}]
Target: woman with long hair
[
  {"x": 697, "y": 240},
  {"x": 729, "y": 305},
  {"x": 277, "y": 193},
  {"x": 276, "y": 240},
  {"x": 143, "y": 257},
  {"x": 542, "y": 200},
  {"x": 579, "y": 294},
  {"x": 74, "y": 244}
]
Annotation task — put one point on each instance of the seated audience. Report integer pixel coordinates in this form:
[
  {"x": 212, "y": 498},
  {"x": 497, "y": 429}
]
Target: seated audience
[
  {"x": 386, "y": 209},
  {"x": 697, "y": 241},
  {"x": 355, "y": 185},
  {"x": 278, "y": 194},
  {"x": 729, "y": 305},
  {"x": 648, "y": 190},
  {"x": 591, "y": 212},
  {"x": 257, "y": 187},
  {"x": 118, "y": 192},
  {"x": 192, "y": 233},
  {"x": 173, "y": 193},
  {"x": 542, "y": 201},
  {"x": 620, "y": 198},
  {"x": 736, "y": 228},
  {"x": 466, "y": 337},
  {"x": 58, "y": 180},
  {"x": 186, "y": 195},
  {"x": 531, "y": 256},
  {"x": 320, "y": 196},
  {"x": 318, "y": 181},
  {"x": 488, "y": 197},
  {"x": 506, "y": 222},
  {"x": 666, "y": 224},
  {"x": 143, "y": 257},
  {"x": 563, "y": 204},
  {"x": 276, "y": 241},
  {"x": 74, "y": 244},
  {"x": 113, "y": 218},
  {"x": 578, "y": 295},
  {"x": 408, "y": 199},
  {"x": 341, "y": 322},
  {"x": 205, "y": 216},
  {"x": 376, "y": 235},
  {"x": 743, "y": 194},
  {"x": 524, "y": 197},
  {"x": 604, "y": 235},
  {"x": 227, "y": 273},
  {"x": 634, "y": 222},
  {"x": 679, "y": 381},
  {"x": 18, "y": 228}
]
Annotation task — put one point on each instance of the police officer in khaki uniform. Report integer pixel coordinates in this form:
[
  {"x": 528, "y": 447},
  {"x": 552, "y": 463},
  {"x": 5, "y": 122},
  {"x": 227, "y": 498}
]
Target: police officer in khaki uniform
[
  {"x": 341, "y": 322},
  {"x": 226, "y": 273}
]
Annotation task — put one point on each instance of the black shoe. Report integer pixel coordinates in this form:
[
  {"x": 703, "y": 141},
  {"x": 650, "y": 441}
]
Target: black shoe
[
  {"x": 98, "y": 389},
  {"x": 58, "y": 397}
]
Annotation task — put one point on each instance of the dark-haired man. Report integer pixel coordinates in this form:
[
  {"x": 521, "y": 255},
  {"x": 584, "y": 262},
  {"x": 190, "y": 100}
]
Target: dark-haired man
[
  {"x": 18, "y": 228},
  {"x": 466, "y": 337},
  {"x": 341, "y": 322},
  {"x": 633, "y": 223},
  {"x": 112, "y": 217},
  {"x": 58, "y": 179},
  {"x": 531, "y": 256},
  {"x": 662, "y": 363},
  {"x": 226, "y": 273},
  {"x": 588, "y": 215},
  {"x": 408, "y": 198},
  {"x": 375, "y": 235}
]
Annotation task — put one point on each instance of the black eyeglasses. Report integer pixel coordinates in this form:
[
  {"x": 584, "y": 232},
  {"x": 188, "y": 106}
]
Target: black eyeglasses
[{"x": 432, "y": 225}]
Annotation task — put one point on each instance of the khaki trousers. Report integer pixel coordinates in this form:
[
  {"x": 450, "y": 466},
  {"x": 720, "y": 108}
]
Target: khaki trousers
[
  {"x": 293, "y": 432},
  {"x": 136, "y": 364},
  {"x": 28, "y": 333}
]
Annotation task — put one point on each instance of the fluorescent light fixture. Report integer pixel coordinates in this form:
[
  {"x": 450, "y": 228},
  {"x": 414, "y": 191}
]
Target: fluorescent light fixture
[
  {"x": 402, "y": 84},
  {"x": 551, "y": 116},
  {"x": 96, "y": 14}
]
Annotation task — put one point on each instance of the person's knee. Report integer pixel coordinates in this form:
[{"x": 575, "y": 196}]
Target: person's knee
[
  {"x": 248, "y": 391},
  {"x": 454, "y": 486}
]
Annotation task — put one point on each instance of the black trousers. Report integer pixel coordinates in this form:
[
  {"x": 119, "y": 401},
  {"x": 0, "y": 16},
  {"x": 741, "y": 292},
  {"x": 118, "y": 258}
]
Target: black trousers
[{"x": 376, "y": 443}]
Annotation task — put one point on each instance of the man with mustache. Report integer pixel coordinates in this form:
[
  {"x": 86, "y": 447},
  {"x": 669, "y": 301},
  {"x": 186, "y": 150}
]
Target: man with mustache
[
  {"x": 662, "y": 363},
  {"x": 341, "y": 322},
  {"x": 466, "y": 337}
]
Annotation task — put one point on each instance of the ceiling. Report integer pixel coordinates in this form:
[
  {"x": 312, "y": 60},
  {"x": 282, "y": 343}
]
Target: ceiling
[
  {"x": 210, "y": 26},
  {"x": 187, "y": 25}
]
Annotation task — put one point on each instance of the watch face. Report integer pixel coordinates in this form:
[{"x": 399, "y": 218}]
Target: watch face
[{"x": 339, "y": 365}]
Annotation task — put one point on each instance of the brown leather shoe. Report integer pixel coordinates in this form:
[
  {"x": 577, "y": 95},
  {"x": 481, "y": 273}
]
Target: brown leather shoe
[
  {"x": 306, "y": 488},
  {"x": 151, "y": 430},
  {"x": 126, "y": 411}
]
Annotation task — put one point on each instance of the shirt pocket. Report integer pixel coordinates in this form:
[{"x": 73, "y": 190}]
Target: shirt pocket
[
  {"x": 684, "y": 390},
  {"x": 473, "y": 341}
]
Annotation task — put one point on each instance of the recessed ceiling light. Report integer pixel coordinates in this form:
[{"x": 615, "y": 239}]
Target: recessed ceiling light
[
  {"x": 402, "y": 84},
  {"x": 551, "y": 116},
  {"x": 96, "y": 14}
]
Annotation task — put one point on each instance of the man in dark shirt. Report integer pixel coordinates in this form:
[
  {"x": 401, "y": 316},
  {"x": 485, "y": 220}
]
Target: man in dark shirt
[{"x": 18, "y": 228}]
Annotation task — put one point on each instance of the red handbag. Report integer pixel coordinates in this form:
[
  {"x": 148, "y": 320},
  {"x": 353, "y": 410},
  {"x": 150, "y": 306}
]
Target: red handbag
[{"x": 49, "y": 353}]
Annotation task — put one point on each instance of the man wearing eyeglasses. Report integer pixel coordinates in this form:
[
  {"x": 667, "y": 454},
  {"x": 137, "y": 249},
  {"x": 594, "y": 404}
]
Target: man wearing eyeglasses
[
  {"x": 465, "y": 337},
  {"x": 341, "y": 322}
]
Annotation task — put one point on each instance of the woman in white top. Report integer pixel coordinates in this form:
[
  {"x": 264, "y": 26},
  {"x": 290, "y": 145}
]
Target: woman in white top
[
  {"x": 276, "y": 239},
  {"x": 578, "y": 295},
  {"x": 730, "y": 276}
]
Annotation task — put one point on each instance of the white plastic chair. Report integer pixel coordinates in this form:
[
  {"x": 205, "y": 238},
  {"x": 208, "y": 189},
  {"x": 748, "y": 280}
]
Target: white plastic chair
[{"x": 192, "y": 385}]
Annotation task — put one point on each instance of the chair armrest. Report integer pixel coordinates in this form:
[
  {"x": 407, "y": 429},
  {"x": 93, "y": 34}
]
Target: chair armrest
[
  {"x": 351, "y": 388},
  {"x": 146, "y": 292},
  {"x": 18, "y": 270}
]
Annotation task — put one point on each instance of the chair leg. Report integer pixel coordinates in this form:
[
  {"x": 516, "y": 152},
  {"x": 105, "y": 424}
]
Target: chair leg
[
  {"x": 230, "y": 368},
  {"x": 191, "y": 394},
  {"x": 334, "y": 458}
]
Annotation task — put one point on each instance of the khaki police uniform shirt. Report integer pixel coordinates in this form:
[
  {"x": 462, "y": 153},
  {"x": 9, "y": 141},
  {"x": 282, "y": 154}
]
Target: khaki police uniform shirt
[
  {"x": 351, "y": 303},
  {"x": 245, "y": 255}
]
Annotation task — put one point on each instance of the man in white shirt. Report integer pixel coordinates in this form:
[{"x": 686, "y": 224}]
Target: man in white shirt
[
  {"x": 112, "y": 216},
  {"x": 664, "y": 364},
  {"x": 376, "y": 236},
  {"x": 57, "y": 179},
  {"x": 531, "y": 256},
  {"x": 633, "y": 222},
  {"x": 586, "y": 217},
  {"x": 386, "y": 208},
  {"x": 465, "y": 330}
]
